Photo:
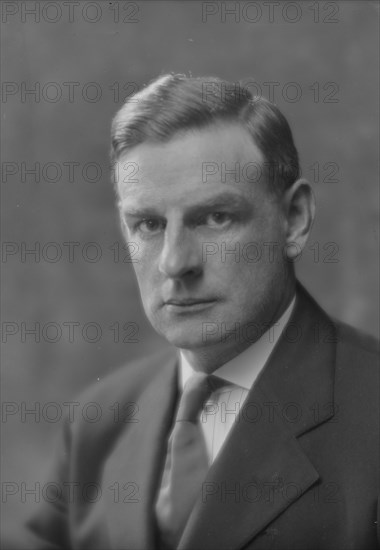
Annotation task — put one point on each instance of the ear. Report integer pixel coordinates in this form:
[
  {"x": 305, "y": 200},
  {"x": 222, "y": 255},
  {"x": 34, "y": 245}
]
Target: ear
[{"x": 299, "y": 204}]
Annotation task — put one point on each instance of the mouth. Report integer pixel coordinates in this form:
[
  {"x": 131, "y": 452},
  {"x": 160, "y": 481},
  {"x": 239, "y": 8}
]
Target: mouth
[{"x": 188, "y": 304}]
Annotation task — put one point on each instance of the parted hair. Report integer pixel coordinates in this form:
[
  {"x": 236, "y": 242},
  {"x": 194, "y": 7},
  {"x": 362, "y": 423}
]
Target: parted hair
[{"x": 175, "y": 103}]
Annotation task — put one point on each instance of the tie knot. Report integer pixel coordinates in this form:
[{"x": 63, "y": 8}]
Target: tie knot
[{"x": 196, "y": 391}]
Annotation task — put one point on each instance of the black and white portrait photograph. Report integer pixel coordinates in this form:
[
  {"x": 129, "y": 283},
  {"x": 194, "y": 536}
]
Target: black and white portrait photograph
[{"x": 190, "y": 275}]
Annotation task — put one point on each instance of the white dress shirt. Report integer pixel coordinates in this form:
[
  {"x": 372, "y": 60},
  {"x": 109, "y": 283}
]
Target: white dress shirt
[{"x": 241, "y": 372}]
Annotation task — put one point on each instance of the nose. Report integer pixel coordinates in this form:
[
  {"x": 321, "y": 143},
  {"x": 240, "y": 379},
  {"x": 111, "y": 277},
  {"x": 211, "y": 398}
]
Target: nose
[{"x": 180, "y": 255}]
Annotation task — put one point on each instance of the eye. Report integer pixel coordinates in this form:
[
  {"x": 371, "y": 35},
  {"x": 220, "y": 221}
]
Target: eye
[
  {"x": 148, "y": 226},
  {"x": 218, "y": 219}
]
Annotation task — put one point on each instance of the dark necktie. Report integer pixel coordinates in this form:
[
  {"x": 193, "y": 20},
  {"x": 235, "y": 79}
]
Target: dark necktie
[{"x": 186, "y": 463}]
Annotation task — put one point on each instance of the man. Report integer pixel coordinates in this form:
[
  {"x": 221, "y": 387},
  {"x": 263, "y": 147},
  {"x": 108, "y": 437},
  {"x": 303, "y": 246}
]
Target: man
[{"x": 280, "y": 450}]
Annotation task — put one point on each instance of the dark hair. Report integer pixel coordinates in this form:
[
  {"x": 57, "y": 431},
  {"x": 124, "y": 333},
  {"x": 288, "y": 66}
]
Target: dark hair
[{"x": 175, "y": 103}]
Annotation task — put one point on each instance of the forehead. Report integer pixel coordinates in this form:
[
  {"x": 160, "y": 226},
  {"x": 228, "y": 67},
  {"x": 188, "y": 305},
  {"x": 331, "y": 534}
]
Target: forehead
[{"x": 196, "y": 161}]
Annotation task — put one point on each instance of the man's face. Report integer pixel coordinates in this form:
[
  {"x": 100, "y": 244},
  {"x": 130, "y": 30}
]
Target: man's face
[{"x": 209, "y": 243}]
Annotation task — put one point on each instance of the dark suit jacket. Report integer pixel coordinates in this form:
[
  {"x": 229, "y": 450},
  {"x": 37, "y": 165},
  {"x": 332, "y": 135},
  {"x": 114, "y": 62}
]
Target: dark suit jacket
[{"x": 298, "y": 471}]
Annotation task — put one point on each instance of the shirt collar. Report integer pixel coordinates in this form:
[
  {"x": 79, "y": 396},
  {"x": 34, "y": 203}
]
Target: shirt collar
[{"x": 243, "y": 369}]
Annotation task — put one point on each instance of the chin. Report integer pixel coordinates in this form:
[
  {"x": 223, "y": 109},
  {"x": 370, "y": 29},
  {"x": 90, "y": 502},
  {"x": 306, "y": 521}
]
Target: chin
[
  {"x": 185, "y": 337},
  {"x": 182, "y": 332}
]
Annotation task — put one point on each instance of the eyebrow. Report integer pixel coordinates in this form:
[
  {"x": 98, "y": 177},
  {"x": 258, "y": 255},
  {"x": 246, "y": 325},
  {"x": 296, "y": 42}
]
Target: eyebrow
[{"x": 232, "y": 200}]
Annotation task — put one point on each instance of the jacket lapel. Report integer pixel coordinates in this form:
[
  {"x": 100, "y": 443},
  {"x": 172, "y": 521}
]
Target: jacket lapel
[
  {"x": 132, "y": 472},
  {"x": 262, "y": 469}
]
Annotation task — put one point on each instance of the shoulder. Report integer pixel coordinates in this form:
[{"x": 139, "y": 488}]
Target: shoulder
[
  {"x": 356, "y": 353},
  {"x": 131, "y": 379},
  {"x": 355, "y": 376},
  {"x": 357, "y": 340},
  {"x": 356, "y": 349},
  {"x": 357, "y": 365},
  {"x": 347, "y": 338},
  {"x": 109, "y": 405}
]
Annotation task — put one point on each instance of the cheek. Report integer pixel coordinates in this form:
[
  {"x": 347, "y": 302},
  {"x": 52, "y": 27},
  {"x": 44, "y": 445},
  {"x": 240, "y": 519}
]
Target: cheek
[
  {"x": 255, "y": 249},
  {"x": 145, "y": 267},
  {"x": 144, "y": 258},
  {"x": 273, "y": 240}
]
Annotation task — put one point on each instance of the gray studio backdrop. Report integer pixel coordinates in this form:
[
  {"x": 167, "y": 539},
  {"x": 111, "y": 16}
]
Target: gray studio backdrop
[{"x": 71, "y": 311}]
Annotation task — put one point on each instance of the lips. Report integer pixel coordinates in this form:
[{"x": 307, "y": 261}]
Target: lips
[
  {"x": 188, "y": 305},
  {"x": 188, "y": 301}
]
